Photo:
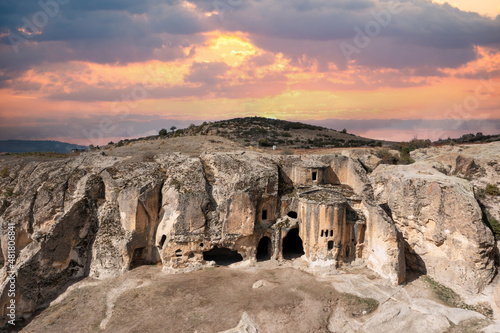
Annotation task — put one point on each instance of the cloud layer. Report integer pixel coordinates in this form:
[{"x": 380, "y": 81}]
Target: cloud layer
[{"x": 299, "y": 59}]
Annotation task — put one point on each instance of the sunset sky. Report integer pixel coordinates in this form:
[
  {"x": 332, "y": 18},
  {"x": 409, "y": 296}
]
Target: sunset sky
[{"x": 89, "y": 72}]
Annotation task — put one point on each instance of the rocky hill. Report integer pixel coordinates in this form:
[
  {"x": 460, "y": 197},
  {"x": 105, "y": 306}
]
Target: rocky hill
[
  {"x": 128, "y": 217},
  {"x": 268, "y": 132}
]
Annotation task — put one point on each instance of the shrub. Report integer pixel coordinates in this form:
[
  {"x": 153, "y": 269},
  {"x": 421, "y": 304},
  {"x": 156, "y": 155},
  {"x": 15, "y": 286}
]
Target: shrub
[
  {"x": 492, "y": 189},
  {"x": 173, "y": 128},
  {"x": 5, "y": 172},
  {"x": 417, "y": 144},
  {"x": 494, "y": 225},
  {"x": 405, "y": 156},
  {"x": 386, "y": 157},
  {"x": 162, "y": 132},
  {"x": 265, "y": 143},
  {"x": 178, "y": 133}
]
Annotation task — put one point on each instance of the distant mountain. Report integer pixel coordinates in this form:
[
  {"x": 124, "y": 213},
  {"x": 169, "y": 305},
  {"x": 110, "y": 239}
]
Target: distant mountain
[{"x": 25, "y": 146}]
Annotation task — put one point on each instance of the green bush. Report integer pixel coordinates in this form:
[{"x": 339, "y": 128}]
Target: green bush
[
  {"x": 5, "y": 172},
  {"x": 386, "y": 157},
  {"x": 494, "y": 226},
  {"x": 162, "y": 132},
  {"x": 492, "y": 189}
]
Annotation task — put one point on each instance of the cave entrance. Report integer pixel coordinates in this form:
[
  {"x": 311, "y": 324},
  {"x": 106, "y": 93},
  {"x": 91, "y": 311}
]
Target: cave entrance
[
  {"x": 264, "y": 249},
  {"x": 292, "y": 245},
  {"x": 222, "y": 256},
  {"x": 138, "y": 258}
]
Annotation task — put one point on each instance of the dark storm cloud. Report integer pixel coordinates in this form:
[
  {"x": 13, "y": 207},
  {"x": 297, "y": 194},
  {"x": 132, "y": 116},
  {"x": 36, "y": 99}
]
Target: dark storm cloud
[
  {"x": 419, "y": 34},
  {"x": 99, "y": 31}
]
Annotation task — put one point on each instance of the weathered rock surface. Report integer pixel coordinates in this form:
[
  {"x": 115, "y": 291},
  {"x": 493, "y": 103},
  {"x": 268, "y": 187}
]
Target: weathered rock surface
[
  {"x": 100, "y": 216},
  {"x": 480, "y": 164},
  {"x": 441, "y": 223}
]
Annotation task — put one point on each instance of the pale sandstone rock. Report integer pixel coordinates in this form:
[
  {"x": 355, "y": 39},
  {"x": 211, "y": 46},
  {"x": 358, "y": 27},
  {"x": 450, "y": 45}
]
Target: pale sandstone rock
[
  {"x": 100, "y": 216},
  {"x": 441, "y": 223}
]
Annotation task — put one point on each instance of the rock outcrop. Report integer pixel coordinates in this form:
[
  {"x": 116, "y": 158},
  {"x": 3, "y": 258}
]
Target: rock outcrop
[
  {"x": 441, "y": 223},
  {"x": 100, "y": 216}
]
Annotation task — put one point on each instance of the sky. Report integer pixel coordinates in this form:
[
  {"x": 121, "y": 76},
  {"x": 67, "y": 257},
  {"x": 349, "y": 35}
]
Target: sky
[{"x": 95, "y": 71}]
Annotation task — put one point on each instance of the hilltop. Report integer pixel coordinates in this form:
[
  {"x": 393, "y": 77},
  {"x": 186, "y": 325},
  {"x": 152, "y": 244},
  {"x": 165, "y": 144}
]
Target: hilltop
[{"x": 267, "y": 132}]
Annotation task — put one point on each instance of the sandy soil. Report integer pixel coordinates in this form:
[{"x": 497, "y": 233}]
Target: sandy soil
[{"x": 211, "y": 300}]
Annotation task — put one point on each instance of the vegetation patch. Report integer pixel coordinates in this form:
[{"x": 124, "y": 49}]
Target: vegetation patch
[
  {"x": 492, "y": 189},
  {"x": 358, "y": 306},
  {"x": 386, "y": 156},
  {"x": 405, "y": 148},
  {"x": 469, "y": 326},
  {"x": 9, "y": 192},
  {"x": 450, "y": 298},
  {"x": 492, "y": 223},
  {"x": 4, "y": 173}
]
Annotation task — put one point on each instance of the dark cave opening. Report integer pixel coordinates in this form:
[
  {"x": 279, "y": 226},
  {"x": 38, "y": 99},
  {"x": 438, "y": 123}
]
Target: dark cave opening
[
  {"x": 292, "y": 245},
  {"x": 264, "y": 249},
  {"x": 222, "y": 256}
]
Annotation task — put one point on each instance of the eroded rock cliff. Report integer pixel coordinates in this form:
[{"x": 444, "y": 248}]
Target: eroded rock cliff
[{"x": 100, "y": 216}]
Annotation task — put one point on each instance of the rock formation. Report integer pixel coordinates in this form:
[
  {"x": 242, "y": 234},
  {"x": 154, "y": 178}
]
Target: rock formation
[
  {"x": 99, "y": 216},
  {"x": 441, "y": 223}
]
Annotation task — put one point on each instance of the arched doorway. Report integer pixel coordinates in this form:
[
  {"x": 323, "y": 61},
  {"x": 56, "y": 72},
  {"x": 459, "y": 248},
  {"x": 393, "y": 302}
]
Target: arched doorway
[
  {"x": 264, "y": 249},
  {"x": 292, "y": 245}
]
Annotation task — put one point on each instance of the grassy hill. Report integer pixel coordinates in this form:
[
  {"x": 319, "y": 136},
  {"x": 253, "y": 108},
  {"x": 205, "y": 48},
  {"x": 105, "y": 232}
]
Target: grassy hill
[{"x": 267, "y": 132}]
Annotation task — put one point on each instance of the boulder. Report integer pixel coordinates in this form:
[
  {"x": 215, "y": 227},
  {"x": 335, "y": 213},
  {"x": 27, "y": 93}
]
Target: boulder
[{"x": 441, "y": 223}]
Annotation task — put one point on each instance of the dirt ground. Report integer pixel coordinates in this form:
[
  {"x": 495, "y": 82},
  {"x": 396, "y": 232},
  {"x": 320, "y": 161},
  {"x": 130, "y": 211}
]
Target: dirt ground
[{"x": 211, "y": 300}]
